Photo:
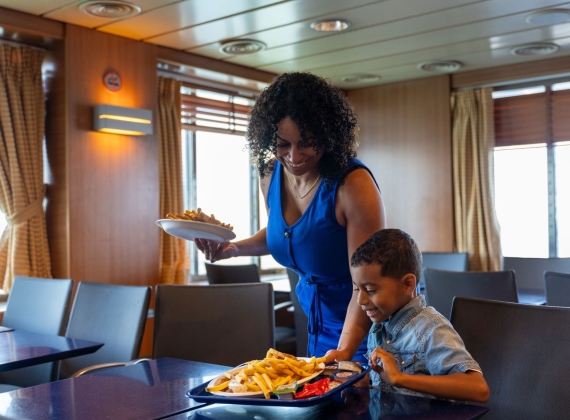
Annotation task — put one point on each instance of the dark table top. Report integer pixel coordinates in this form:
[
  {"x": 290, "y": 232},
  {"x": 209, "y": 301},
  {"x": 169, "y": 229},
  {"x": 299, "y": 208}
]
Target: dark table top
[
  {"x": 157, "y": 389},
  {"x": 22, "y": 348}
]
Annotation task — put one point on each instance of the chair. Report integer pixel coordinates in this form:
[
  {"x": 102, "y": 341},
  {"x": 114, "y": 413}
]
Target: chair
[
  {"x": 224, "y": 274},
  {"x": 36, "y": 305},
  {"x": 225, "y": 324},
  {"x": 285, "y": 337},
  {"x": 450, "y": 261},
  {"x": 442, "y": 286},
  {"x": 522, "y": 353},
  {"x": 557, "y": 287},
  {"x": 530, "y": 275},
  {"x": 110, "y": 314},
  {"x": 301, "y": 319}
]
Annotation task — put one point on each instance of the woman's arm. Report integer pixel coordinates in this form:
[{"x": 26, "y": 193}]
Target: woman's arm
[
  {"x": 360, "y": 209},
  {"x": 468, "y": 386}
]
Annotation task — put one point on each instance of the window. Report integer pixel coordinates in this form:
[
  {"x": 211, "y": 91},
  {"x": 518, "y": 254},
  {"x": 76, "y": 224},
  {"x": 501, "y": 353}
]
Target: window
[
  {"x": 218, "y": 174},
  {"x": 532, "y": 170}
]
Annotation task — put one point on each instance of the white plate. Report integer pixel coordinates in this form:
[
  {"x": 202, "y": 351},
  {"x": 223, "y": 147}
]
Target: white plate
[
  {"x": 187, "y": 229},
  {"x": 258, "y": 393}
]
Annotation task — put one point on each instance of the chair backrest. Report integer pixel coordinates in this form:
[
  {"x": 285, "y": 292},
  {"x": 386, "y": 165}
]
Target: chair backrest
[
  {"x": 225, "y": 324},
  {"x": 37, "y": 305},
  {"x": 557, "y": 288},
  {"x": 442, "y": 286},
  {"x": 530, "y": 271},
  {"x": 523, "y": 355},
  {"x": 224, "y": 274},
  {"x": 450, "y": 261},
  {"x": 111, "y": 314},
  {"x": 301, "y": 319}
]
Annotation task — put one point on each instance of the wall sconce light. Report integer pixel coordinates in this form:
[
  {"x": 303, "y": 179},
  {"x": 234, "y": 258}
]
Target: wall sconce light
[{"x": 121, "y": 120}]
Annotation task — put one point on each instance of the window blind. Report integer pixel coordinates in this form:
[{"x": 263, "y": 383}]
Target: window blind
[
  {"x": 521, "y": 120},
  {"x": 214, "y": 110}
]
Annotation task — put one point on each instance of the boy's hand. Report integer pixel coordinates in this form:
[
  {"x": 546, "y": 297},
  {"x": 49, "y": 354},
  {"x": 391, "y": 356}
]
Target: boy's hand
[{"x": 388, "y": 371}]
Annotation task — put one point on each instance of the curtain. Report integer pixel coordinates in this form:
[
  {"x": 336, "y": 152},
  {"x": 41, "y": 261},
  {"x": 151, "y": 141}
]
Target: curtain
[
  {"x": 174, "y": 258},
  {"x": 476, "y": 226},
  {"x": 24, "y": 246}
]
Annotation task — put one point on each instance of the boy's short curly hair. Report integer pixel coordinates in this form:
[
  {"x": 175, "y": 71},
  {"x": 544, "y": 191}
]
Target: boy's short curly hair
[
  {"x": 319, "y": 110},
  {"x": 394, "y": 250}
]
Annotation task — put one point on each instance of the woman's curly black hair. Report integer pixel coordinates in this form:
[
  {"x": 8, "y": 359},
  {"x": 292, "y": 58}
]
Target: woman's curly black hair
[{"x": 318, "y": 108}]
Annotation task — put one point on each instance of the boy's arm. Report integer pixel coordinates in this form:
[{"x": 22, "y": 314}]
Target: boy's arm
[{"x": 468, "y": 386}]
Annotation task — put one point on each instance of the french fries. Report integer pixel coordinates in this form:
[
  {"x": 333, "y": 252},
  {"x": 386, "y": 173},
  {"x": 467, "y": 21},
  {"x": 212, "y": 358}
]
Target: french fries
[
  {"x": 199, "y": 216},
  {"x": 265, "y": 375}
]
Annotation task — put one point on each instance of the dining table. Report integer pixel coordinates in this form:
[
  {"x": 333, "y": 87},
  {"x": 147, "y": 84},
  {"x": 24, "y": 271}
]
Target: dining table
[
  {"x": 20, "y": 348},
  {"x": 159, "y": 389}
]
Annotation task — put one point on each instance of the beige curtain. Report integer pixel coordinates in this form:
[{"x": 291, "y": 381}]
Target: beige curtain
[
  {"x": 24, "y": 246},
  {"x": 173, "y": 251},
  {"x": 476, "y": 227}
]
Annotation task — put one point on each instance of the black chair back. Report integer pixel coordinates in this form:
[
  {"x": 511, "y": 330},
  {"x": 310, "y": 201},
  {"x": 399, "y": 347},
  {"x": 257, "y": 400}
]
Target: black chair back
[
  {"x": 442, "y": 286},
  {"x": 450, "y": 261},
  {"x": 111, "y": 314},
  {"x": 224, "y": 274},
  {"x": 37, "y": 305},
  {"x": 225, "y": 324},
  {"x": 523, "y": 355},
  {"x": 530, "y": 271},
  {"x": 557, "y": 288},
  {"x": 301, "y": 319}
]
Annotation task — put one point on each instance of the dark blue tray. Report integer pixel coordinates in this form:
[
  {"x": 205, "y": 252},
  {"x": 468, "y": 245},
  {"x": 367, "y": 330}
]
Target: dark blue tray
[{"x": 199, "y": 394}]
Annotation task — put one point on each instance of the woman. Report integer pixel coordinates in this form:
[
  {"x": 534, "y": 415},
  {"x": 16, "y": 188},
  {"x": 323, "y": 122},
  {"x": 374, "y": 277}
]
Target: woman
[{"x": 322, "y": 204}]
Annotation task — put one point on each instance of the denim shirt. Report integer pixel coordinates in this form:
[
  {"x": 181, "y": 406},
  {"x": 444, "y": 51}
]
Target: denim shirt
[{"x": 422, "y": 341}]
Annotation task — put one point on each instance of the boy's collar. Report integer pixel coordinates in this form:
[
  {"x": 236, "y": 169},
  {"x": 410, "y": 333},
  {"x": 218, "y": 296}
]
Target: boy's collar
[{"x": 402, "y": 316}]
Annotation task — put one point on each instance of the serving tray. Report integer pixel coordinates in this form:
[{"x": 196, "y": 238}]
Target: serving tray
[{"x": 199, "y": 394}]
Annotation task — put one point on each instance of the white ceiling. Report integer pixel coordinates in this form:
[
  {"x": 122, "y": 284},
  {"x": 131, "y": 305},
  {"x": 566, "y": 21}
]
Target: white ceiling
[{"x": 387, "y": 38}]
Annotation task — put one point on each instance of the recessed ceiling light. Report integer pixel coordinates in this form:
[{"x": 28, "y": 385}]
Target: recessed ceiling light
[
  {"x": 440, "y": 66},
  {"x": 548, "y": 17},
  {"x": 330, "y": 25},
  {"x": 537, "y": 48},
  {"x": 242, "y": 47},
  {"x": 109, "y": 8},
  {"x": 360, "y": 78}
]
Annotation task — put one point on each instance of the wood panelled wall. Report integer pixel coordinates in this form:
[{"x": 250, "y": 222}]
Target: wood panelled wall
[
  {"x": 103, "y": 196},
  {"x": 405, "y": 139}
]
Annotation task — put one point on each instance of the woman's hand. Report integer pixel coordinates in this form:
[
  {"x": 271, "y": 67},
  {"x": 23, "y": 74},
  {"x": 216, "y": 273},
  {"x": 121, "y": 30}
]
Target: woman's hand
[
  {"x": 336, "y": 356},
  {"x": 388, "y": 371},
  {"x": 215, "y": 251}
]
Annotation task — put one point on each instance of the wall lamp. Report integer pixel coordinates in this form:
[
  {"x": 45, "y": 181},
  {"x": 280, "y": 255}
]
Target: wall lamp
[{"x": 121, "y": 120}]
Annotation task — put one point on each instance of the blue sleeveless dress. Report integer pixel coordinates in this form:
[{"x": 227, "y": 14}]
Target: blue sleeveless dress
[{"x": 316, "y": 248}]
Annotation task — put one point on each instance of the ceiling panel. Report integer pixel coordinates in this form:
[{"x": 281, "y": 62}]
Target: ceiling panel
[
  {"x": 254, "y": 21},
  {"x": 181, "y": 15},
  {"x": 293, "y": 38},
  {"x": 72, "y": 14},
  {"x": 35, "y": 7},
  {"x": 418, "y": 42}
]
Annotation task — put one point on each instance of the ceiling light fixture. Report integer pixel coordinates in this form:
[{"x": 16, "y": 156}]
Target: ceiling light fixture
[
  {"x": 360, "y": 78},
  {"x": 537, "y": 48},
  {"x": 440, "y": 66},
  {"x": 242, "y": 47},
  {"x": 109, "y": 8},
  {"x": 548, "y": 17},
  {"x": 330, "y": 25}
]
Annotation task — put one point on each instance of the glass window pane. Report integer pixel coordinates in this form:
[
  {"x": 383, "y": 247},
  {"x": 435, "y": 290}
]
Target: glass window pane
[
  {"x": 562, "y": 173},
  {"x": 521, "y": 199},
  {"x": 222, "y": 185},
  {"x": 267, "y": 262}
]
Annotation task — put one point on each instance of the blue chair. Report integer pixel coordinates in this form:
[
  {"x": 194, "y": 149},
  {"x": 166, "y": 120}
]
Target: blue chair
[{"x": 36, "y": 305}]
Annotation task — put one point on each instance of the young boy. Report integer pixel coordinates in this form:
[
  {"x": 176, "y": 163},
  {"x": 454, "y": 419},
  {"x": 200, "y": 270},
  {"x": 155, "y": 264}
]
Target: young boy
[{"x": 412, "y": 349}]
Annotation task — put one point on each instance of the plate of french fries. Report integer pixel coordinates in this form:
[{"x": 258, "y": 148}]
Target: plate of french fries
[
  {"x": 195, "y": 224},
  {"x": 259, "y": 378}
]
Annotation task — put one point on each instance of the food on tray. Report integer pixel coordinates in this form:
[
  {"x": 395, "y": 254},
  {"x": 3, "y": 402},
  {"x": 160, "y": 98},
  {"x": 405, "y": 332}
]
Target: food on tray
[
  {"x": 199, "y": 216},
  {"x": 267, "y": 375}
]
